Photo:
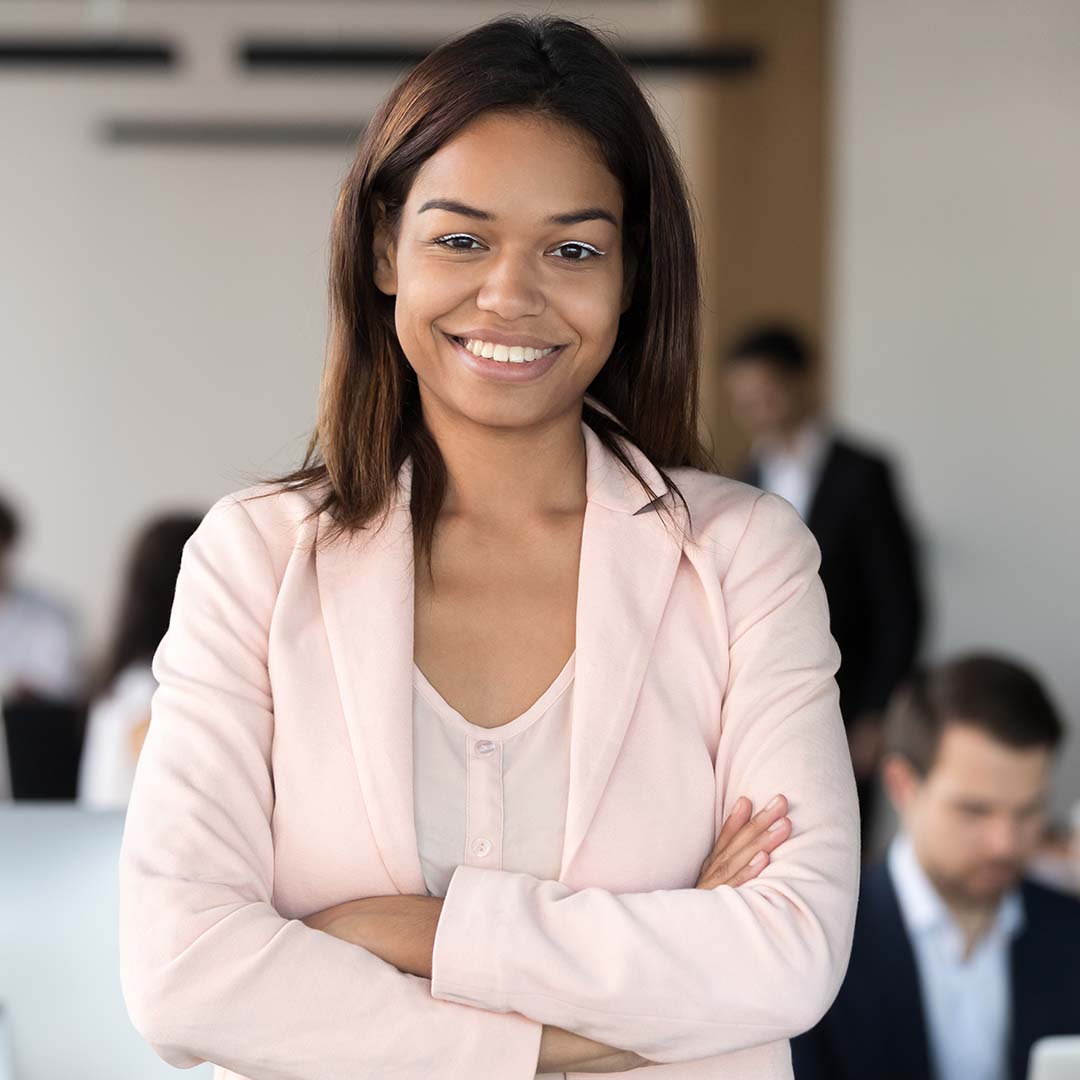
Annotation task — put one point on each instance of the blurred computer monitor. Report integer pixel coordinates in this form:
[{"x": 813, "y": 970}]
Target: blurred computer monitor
[
  {"x": 43, "y": 743},
  {"x": 1056, "y": 1057},
  {"x": 63, "y": 1009}
]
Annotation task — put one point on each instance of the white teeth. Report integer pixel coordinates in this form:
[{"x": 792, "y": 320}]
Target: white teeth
[{"x": 506, "y": 354}]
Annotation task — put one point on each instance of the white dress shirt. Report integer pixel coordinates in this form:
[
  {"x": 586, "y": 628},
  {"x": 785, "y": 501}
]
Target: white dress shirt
[
  {"x": 491, "y": 797},
  {"x": 967, "y": 1002},
  {"x": 792, "y": 472},
  {"x": 38, "y": 645},
  {"x": 107, "y": 767}
]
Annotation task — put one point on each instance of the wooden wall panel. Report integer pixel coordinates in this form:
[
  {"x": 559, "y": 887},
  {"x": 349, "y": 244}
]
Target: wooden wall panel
[{"x": 759, "y": 177}]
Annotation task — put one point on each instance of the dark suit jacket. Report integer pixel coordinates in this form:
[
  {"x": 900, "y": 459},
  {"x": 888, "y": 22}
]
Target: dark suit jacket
[
  {"x": 868, "y": 567},
  {"x": 876, "y": 1026}
]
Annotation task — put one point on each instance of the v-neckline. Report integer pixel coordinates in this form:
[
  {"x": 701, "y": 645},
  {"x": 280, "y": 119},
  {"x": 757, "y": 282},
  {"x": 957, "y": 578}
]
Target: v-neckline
[{"x": 541, "y": 705}]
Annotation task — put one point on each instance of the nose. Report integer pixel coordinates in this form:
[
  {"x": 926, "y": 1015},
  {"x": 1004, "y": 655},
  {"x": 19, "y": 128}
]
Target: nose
[{"x": 510, "y": 288}]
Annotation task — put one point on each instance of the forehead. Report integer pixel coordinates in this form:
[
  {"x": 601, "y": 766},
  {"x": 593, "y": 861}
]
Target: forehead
[
  {"x": 518, "y": 167},
  {"x": 972, "y": 765}
]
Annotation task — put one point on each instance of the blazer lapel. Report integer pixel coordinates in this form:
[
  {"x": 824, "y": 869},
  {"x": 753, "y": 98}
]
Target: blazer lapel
[
  {"x": 889, "y": 950},
  {"x": 820, "y": 506},
  {"x": 628, "y": 565},
  {"x": 1033, "y": 998},
  {"x": 366, "y": 591}
]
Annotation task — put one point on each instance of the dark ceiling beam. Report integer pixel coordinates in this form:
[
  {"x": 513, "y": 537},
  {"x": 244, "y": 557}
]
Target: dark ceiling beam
[
  {"x": 231, "y": 133},
  {"x": 86, "y": 52}
]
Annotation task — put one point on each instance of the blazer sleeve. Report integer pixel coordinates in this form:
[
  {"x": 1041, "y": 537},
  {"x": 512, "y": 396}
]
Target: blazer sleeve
[
  {"x": 681, "y": 974},
  {"x": 209, "y": 970}
]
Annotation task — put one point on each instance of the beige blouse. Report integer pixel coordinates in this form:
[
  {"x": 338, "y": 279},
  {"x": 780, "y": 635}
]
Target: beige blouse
[{"x": 491, "y": 797}]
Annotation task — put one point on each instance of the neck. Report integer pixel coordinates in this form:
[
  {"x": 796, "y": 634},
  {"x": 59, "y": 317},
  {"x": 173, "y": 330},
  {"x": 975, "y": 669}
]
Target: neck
[
  {"x": 973, "y": 920},
  {"x": 513, "y": 473},
  {"x": 784, "y": 438}
]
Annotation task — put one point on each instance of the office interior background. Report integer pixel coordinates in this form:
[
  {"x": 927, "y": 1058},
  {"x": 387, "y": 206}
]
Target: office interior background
[{"x": 899, "y": 180}]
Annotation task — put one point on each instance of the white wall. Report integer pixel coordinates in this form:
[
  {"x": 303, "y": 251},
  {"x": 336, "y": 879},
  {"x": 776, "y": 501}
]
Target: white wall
[
  {"x": 162, "y": 311},
  {"x": 955, "y": 321}
]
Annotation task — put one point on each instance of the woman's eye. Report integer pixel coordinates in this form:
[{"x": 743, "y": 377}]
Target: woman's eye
[
  {"x": 585, "y": 252},
  {"x": 448, "y": 242}
]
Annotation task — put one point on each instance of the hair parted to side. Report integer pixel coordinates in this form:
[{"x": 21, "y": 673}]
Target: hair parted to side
[
  {"x": 990, "y": 693},
  {"x": 369, "y": 418}
]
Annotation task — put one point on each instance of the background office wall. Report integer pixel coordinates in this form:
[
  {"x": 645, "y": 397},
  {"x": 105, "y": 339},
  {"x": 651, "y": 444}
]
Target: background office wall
[{"x": 955, "y": 311}]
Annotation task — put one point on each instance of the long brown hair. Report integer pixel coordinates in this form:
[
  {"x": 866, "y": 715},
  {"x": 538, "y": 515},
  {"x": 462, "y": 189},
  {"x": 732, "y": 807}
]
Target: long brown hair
[
  {"x": 149, "y": 580},
  {"x": 369, "y": 418}
]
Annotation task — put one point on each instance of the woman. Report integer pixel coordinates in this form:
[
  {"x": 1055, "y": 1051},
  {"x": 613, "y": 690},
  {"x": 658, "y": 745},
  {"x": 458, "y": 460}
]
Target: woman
[
  {"x": 119, "y": 716},
  {"x": 448, "y": 719}
]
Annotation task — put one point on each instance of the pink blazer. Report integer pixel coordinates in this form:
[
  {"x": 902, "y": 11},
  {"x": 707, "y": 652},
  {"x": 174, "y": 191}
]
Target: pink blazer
[{"x": 276, "y": 780}]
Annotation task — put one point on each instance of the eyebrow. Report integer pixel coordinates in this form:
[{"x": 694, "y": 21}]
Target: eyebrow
[{"x": 572, "y": 217}]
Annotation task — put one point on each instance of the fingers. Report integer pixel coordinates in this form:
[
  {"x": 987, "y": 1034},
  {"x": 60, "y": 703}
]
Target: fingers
[
  {"x": 741, "y": 839},
  {"x": 739, "y": 817},
  {"x": 736, "y": 820}
]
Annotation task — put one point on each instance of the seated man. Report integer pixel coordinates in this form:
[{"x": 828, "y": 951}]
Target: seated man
[{"x": 959, "y": 962}]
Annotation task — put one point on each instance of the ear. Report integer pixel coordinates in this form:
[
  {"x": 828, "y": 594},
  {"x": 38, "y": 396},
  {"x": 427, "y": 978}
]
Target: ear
[
  {"x": 900, "y": 781},
  {"x": 385, "y": 253},
  {"x": 629, "y": 277}
]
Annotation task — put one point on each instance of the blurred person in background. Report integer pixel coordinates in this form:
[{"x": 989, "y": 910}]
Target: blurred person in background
[
  {"x": 960, "y": 961},
  {"x": 120, "y": 712},
  {"x": 39, "y": 642},
  {"x": 846, "y": 495}
]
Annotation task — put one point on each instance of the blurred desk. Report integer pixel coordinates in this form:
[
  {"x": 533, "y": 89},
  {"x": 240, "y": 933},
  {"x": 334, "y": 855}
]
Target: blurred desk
[{"x": 59, "y": 974}]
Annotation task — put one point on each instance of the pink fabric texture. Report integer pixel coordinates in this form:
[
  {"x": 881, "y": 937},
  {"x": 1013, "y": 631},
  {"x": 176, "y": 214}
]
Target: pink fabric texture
[{"x": 276, "y": 780}]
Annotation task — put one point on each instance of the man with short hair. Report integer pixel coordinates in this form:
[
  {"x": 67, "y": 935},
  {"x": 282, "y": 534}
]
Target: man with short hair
[
  {"x": 959, "y": 963},
  {"x": 846, "y": 494},
  {"x": 39, "y": 641}
]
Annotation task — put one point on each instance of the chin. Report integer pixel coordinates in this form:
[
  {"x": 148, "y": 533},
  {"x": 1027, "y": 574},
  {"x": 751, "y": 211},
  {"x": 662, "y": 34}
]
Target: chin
[{"x": 986, "y": 887}]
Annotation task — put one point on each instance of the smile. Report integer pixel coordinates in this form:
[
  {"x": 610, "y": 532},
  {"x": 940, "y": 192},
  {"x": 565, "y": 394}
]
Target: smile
[{"x": 504, "y": 354}]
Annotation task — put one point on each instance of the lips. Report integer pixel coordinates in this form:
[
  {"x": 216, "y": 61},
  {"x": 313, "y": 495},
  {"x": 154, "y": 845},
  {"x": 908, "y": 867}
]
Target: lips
[{"x": 504, "y": 370}]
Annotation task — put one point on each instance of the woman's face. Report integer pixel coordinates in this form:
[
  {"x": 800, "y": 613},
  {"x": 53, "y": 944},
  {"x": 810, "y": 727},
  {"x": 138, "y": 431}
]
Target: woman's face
[{"x": 481, "y": 256}]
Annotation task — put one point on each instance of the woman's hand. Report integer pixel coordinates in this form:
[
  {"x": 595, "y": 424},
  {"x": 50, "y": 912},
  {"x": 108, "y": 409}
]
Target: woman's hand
[{"x": 743, "y": 846}]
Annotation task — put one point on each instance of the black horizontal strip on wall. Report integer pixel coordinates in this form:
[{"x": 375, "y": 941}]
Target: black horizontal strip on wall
[
  {"x": 86, "y": 52},
  {"x": 233, "y": 133},
  {"x": 343, "y": 55}
]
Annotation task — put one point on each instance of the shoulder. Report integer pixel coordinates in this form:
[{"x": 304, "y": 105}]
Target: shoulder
[
  {"x": 1051, "y": 910},
  {"x": 860, "y": 459},
  {"x": 729, "y": 516},
  {"x": 268, "y": 519},
  {"x": 31, "y": 602}
]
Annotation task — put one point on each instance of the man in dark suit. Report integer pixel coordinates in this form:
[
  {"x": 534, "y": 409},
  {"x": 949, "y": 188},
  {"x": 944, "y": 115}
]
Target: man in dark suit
[
  {"x": 959, "y": 962},
  {"x": 846, "y": 495}
]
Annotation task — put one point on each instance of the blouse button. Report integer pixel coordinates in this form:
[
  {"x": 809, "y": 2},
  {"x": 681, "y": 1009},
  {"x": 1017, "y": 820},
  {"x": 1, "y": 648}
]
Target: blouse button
[
  {"x": 484, "y": 746},
  {"x": 481, "y": 846}
]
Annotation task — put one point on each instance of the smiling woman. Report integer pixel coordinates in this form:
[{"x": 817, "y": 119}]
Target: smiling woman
[{"x": 461, "y": 726}]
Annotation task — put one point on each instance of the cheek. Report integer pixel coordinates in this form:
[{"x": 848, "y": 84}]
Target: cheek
[
  {"x": 1031, "y": 832},
  {"x": 590, "y": 311},
  {"x": 423, "y": 300}
]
